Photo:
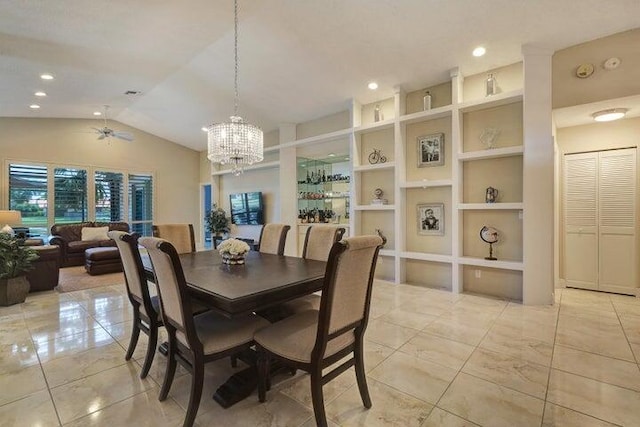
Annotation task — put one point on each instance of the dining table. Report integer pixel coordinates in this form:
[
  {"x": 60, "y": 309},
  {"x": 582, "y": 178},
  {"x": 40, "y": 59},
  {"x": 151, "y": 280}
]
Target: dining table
[{"x": 259, "y": 285}]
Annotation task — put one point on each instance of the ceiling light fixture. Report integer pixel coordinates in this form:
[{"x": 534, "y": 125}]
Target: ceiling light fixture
[
  {"x": 373, "y": 85},
  {"x": 236, "y": 142},
  {"x": 609, "y": 115},
  {"x": 97, "y": 113},
  {"x": 46, "y": 76},
  {"x": 34, "y": 106},
  {"x": 40, "y": 94},
  {"x": 204, "y": 129},
  {"x": 479, "y": 51}
]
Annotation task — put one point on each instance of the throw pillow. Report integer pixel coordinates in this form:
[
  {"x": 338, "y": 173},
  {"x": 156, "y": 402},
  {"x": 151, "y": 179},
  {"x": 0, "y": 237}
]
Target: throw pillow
[{"x": 95, "y": 233}]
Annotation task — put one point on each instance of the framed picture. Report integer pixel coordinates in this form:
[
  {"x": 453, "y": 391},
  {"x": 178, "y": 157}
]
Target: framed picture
[
  {"x": 431, "y": 150},
  {"x": 431, "y": 219}
]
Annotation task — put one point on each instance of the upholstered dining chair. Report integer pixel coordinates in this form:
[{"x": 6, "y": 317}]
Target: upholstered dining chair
[
  {"x": 181, "y": 236},
  {"x": 313, "y": 340},
  {"x": 318, "y": 242},
  {"x": 272, "y": 238},
  {"x": 193, "y": 340}
]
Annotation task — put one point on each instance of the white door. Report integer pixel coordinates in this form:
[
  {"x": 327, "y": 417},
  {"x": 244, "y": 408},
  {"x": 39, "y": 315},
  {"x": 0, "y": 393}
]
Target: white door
[{"x": 600, "y": 218}]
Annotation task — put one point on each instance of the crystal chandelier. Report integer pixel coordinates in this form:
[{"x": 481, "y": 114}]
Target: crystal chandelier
[{"x": 235, "y": 142}]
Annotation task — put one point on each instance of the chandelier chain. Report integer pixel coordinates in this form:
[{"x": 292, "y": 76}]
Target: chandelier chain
[{"x": 235, "y": 12}]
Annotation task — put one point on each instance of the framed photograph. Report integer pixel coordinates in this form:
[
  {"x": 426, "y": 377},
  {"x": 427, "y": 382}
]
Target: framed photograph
[
  {"x": 431, "y": 150},
  {"x": 431, "y": 219}
]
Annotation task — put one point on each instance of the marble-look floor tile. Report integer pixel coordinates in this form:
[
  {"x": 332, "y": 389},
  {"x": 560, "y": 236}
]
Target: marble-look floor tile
[
  {"x": 87, "y": 395},
  {"x": 18, "y": 355},
  {"x": 388, "y": 334},
  {"x": 467, "y": 333},
  {"x": 34, "y": 410},
  {"x": 72, "y": 344},
  {"x": 557, "y": 416},
  {"x": 508, "y": 341},
  {"x": 390, "y": 407},
  {"x": 631, "y": 327},
  {"x": 380, "y": 307},
  {"x": 539, "y": 331},
  {"x": 427, "y": 307},
  {"x": 15, "y": 385},
  {"x": 299, "y": 388},
  {"x": 143, "y": 410},
  {"x": 508, "y": 371},
  {"x": 601, "y": 368},
  {"x": 106, "y": 318},
  {"x": 440, "y": 350},
  {"x": 489, "y": 404},
  {"x": 597, "y": 399},
  {"x": 442, "y": 418},
  {"x": 408, "y": 319},
  {"x": 595, "y": 337},
  {"x": 417, "y": 377},
  {"x": 374, "y": 354},
  {"x": 51, "y": 326},
  {"x": 105, "y": 304}
]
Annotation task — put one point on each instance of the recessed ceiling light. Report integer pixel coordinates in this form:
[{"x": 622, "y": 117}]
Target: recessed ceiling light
[
  {"x": 609, "y": 115},
  {"x": 332, "y": 154},
  {"x": 204, "y": 129},
  {"x": 46, "y": 76},
  {"x": 40, "y": 94},
  {"x": 346, "y": 158},
  {"x": 479, "y": 51},
  {"x": 97, "y": 113},
  {"x": 373, "y": 85},
  {"x": 34, "y": 106}
]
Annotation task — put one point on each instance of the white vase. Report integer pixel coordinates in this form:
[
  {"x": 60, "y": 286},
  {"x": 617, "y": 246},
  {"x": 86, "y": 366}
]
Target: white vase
[{"x": 230, "y": 259}]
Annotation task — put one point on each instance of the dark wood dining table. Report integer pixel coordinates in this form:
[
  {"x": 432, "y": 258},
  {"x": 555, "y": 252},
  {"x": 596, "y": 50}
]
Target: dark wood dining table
[{"x": 263, "y": 282}]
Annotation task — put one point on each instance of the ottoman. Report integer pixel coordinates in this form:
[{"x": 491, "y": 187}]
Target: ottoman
[
  {"x": 46, "y": 269},
  {"x": 102, "y": 260}
]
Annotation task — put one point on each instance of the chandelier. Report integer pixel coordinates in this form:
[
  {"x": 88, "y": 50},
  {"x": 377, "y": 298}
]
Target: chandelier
[{"x": 235, "y": 142}]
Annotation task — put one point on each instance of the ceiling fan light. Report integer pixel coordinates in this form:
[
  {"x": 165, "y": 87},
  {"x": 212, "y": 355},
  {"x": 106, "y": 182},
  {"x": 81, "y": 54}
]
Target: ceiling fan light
[{"x": 609, "y": 115}]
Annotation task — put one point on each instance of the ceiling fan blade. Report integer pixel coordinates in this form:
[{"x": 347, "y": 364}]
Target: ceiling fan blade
[
  {"x": 127, "y": 136},
  {"x": 102, "y": 136}
]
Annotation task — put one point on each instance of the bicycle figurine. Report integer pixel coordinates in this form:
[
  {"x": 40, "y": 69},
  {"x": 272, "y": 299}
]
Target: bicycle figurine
[{"x": 377, "y": 157}]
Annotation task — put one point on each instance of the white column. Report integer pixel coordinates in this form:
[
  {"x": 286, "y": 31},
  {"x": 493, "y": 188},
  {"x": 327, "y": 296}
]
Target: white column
[
  {"x": 538, "y": 186},
  {"x": 288, "y": 188},
  {"x": 456, "y": 182}
]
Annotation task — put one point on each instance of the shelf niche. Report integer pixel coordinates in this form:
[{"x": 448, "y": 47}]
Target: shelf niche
[
  {"x": 508, "y": 224},
  {"x": 508, "y": 78},
  {"x": 416, "y": 242},
  {"x": 370, "y": 180},
  {"x": 387, "y": 107},
  {"x": 494, "y": 282},
  {"x": 440, "y": 97},
  {"x": 507, "y": 118},
  {"x": 369, "y": 221},
  {"x": 428, "y": 127},
  {"x": 437, "y": 275},
  {"x": 379, "y": 140},
  {"x": 503, "y": 174}
]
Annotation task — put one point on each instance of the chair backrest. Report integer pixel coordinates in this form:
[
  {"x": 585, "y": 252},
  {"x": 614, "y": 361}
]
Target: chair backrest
[
  {"x": 272, "y": 238},
  {"x": 319, "y": 240},
  {"x": 181, "y": 236},
  {"x": 346, "y": 293},
  {"x": 172, "y": 289},
  {"x": 135, "y": 279}
]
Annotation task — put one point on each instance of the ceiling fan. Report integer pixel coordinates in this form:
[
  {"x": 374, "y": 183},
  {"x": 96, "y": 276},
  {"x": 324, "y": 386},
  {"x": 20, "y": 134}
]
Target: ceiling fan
[{"x": 106, "y": 132}]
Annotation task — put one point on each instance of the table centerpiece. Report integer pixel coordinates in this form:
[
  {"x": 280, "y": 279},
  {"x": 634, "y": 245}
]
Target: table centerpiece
[{"x": 233, "y": 251}]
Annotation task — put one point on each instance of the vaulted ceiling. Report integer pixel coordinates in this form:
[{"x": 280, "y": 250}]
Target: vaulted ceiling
[{"x": 299, "y": 59}]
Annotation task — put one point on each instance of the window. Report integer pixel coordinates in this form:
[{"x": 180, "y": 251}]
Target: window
[
  {"x": 109, "y": 189},
  {"x": 28, "y": 194},
  {"x": 141, "y": 204},
  {"x": 70, "y": 195}
]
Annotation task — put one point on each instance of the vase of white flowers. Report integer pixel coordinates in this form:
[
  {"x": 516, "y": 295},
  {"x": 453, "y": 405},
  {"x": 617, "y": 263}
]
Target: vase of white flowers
[{"x": 233, "y": 251}]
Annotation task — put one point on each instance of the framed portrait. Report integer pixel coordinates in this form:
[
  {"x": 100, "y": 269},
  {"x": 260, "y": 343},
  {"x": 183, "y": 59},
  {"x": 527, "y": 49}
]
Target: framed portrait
[
  {"x": 431, "y": 150},
  {"x": 431, "y": 219}
]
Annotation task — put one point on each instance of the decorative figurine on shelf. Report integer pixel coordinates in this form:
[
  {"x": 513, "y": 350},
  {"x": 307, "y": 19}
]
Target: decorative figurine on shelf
[
  {"x": 489, "y": 235},
  {"x": 488, "y": 137},
  {"x": 426, "y": 101},
  {"x": 378, "y": 116},
  {"x": 491, "y": 85},
  {"x": 491, "y": 195},
  {"x": 384, "y": 239},
  {"x": 377, "y": 157},
  {"x": 378, "y": 197}
]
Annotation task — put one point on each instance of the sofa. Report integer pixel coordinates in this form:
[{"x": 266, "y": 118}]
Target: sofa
[{"x": 69, "y": 238}]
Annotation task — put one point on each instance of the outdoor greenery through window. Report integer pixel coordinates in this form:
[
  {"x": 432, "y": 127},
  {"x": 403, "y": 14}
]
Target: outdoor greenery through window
[
  {"x": 28, "y": 194},
  {"x": 70, "y": 199},
  {"x": 109, "y": 196},
  {"x": 141, "y": 204}
]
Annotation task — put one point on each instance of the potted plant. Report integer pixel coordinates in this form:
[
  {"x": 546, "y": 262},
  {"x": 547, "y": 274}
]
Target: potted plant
[
  {"x": 217, "y": 223},
  {"x": 15, "y": 261}
]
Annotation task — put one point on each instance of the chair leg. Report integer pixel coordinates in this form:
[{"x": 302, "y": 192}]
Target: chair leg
[
  {"x": 263, "y": 374},
  {"x": 197, "y": 379},
  {"x": 151, "y": 350},
  {"x": 169, "y": 373},
  {"x": 135, "y": 333},
  {"x": 361, "y": 375},
  {"x": 317, "y": 397}
]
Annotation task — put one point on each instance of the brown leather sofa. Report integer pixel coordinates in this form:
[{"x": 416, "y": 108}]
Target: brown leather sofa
[
  {"x": 69, "y": 238},
  {"x": 46, "y": 269}
]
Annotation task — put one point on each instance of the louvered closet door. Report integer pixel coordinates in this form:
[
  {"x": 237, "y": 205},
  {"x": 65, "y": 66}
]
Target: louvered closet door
[
  {"x": 581, "y": 220},
  {"x": 617, "y": 220}
]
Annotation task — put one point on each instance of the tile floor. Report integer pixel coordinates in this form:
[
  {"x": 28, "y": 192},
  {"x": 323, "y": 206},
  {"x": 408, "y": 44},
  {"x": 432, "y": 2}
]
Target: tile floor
[{"x": 433, "y": 359}]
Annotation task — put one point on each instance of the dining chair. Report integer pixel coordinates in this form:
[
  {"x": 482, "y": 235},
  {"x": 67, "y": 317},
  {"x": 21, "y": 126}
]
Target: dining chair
[
  {"x": 313, "y": 340},
  {"x": 193, "y": 340},
  {"x": 272, "y": 238},
  {"x": 318, "y": 242},
  {"x": 181, "y": 236}
]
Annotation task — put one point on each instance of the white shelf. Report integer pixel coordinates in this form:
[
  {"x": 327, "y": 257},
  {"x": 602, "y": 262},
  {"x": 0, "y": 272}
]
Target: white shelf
[
  {"x": 435, "y": 113},
  {"x": 427, "y": 183},
  {"x": 493, "y": 153},
  {"x": 330, "y": 136},
  {"x": 377, "y": 166},
  {"x": 322, "y": 224},
  {"x": 387, "y": 252},
  {"x": 427, "y": 257},
  {"x": 481, "y": 262},
  {"x": 262, "y": 165},
  {"x": 372, "y": 127},
  {"x": 492, "y": 101},
  {"x": 491, "y": 206},
  {"x": 374, "y": 207}
]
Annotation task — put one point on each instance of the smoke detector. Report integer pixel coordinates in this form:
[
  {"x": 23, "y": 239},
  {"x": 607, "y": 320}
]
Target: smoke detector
[{"x": 611, "y": 63}]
